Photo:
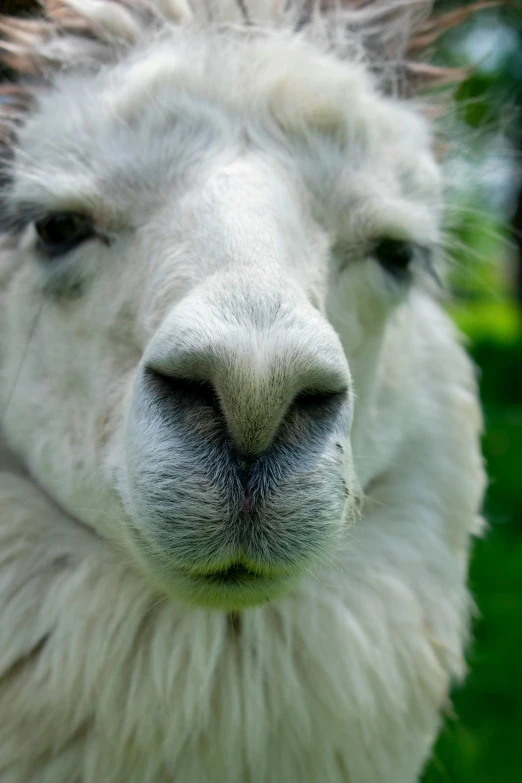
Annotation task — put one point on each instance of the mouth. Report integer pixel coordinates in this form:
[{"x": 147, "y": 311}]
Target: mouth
[
  {"x": 235, "y": 587},
  {"x": 233, "y": 575}
]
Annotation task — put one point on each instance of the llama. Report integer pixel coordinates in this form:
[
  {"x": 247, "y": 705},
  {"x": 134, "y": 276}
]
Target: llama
[{"x": 240, "y": 458}]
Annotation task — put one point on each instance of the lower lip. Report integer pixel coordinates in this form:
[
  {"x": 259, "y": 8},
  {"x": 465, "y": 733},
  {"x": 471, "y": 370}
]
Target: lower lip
[
  {"x": 233, "y": 591},
  {"x": 224, "y": 591},
  {"x": 232, "y": 576}
]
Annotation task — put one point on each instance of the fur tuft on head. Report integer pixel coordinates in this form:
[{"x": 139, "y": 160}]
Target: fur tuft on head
[
  {"x": 395, "y": 34},
  {"x": 392, "y": 38},
  {"x": 49, "y": 37}
]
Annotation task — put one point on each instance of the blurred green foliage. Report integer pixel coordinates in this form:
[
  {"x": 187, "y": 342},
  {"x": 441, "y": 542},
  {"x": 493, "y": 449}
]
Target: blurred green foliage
[
  {"x": 482, "y": 742},
  {"x": 497, "y": 82}
]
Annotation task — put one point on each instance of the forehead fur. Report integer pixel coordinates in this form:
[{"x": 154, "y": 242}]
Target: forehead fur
[
  {"x": 114, "y": 74},
  {"x": 273, "y": 78},
  {"x": 146, "y": 121},
  {"x": 279, "y": 73},
  {"x": 79, "y": 34}
]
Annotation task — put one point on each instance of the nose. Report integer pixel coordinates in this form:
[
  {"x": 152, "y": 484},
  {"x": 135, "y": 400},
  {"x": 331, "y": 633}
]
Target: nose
[{"x": 249, "y": 375}]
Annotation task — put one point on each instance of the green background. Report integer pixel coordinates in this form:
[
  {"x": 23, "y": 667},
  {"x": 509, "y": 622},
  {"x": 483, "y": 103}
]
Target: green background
[{"x": 482, "y": 743}]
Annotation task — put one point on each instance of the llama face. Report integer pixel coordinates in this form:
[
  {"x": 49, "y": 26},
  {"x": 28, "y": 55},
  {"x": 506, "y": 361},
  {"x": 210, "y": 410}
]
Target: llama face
[{"x": 194, "y": 292}]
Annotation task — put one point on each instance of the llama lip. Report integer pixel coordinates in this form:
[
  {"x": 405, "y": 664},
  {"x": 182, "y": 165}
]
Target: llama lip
[
  {"x": 234, "y": 587},
  {"x": 235, "y": 574}
]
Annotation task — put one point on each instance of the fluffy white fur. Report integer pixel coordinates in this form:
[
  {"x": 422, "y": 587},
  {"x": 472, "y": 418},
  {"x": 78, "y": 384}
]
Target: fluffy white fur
[{"x": 241, "y": 180}]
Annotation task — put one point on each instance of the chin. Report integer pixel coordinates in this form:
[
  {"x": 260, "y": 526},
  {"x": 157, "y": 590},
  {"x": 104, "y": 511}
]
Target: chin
[
  {"x": 228, "y": 583},
  {"x": 231, "y": 589}
]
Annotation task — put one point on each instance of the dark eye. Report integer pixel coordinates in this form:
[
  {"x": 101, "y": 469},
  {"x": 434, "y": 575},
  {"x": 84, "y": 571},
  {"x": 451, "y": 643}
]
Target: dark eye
[
  {"x": 394, "y": 255},
  {"x": 60, "y": 232}
]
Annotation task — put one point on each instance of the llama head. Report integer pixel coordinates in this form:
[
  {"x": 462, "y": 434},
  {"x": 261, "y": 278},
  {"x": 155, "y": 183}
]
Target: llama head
[{"x": 211, "y": 227}]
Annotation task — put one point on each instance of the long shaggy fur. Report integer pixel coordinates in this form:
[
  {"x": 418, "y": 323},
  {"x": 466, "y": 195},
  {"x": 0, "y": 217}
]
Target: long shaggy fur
[
  {"x": 242, "y": 163},
  {"x": 394, "y": 33}
]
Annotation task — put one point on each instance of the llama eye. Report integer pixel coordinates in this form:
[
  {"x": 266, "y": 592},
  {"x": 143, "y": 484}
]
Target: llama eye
[
  {"x": 60, "y": 232},
  {"x": 394, "y": 255}
]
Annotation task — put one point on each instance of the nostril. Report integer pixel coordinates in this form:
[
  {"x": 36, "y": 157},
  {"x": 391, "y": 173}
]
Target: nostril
[
  {"x": 314, "y": 399},
  {"x": 186, "y": 390}
]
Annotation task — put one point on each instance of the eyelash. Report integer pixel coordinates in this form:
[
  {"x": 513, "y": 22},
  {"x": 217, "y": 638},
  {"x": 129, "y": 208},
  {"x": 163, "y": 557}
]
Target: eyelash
[
  {"x": 60, "y": 232},
  {"x": 382, "y": 252},
  {"x": 395, "y": 256}
]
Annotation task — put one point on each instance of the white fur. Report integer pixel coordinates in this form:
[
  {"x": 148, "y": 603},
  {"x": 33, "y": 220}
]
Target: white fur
[{"x": 242, "y": 184}]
